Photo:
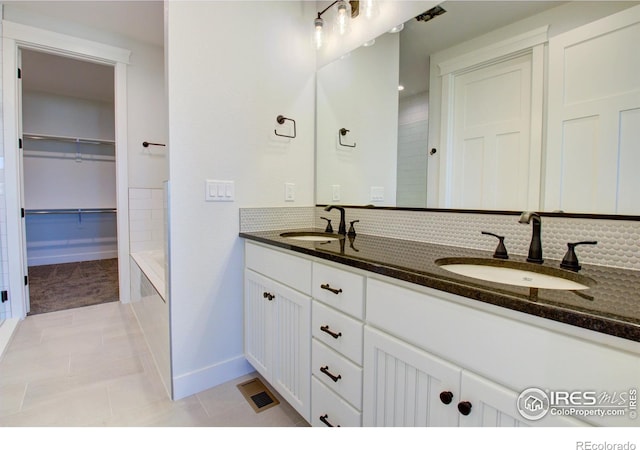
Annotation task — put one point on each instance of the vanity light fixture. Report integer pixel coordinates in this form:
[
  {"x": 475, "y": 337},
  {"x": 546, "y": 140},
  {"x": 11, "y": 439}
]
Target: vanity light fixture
[
  {"x": 344, "y": 12},
  {"x": 369, "y": 8}
]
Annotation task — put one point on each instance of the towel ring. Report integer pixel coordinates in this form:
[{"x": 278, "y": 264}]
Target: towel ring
[
  {"x": 343, "y": 132},
  {"x": 280, "y": 119}
]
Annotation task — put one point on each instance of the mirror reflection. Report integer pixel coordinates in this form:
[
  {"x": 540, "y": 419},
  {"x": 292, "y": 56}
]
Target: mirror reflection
[{"x": 524, "y": 105}]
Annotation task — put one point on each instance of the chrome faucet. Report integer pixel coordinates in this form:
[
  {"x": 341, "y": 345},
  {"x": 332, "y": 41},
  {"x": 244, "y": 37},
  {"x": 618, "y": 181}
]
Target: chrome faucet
[
  {"x": 535, "y": 248},
  {"x": 342, "y": 228}
]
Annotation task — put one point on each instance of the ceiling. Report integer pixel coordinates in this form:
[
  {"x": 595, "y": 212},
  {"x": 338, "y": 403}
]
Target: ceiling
[{"x": 141, "y": 20}]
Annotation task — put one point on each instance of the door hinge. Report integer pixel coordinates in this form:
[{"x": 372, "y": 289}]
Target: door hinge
[
  {"x": 4, "y": 295},
  {"x": 26, "y": 280},
  {"x": 19, "y": 73},
  {"x": 22, "y": 212},
  {"x": 20, "y": 143}
]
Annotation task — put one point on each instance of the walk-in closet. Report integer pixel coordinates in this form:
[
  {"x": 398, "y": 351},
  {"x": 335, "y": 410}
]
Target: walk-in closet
[{"x": 69, "y": 181}]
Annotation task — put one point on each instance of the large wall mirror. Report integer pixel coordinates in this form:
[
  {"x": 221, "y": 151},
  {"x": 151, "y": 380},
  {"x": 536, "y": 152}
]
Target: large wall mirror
[{"x": 523, "y": 105}]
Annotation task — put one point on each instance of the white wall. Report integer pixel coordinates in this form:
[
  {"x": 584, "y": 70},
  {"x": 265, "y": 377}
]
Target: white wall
[
  {"x": 233, "y": 67},
  {"x": 361, "y": 95},
  {"x": 146, "y": 108}
]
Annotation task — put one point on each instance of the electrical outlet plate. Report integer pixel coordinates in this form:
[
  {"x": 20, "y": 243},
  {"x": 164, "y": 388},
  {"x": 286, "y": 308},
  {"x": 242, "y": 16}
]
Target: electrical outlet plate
[
  {"x": 289, "y": 192},
  {"x": 335, "y": 193},
  {"x": 377, "y": 193},
  {"x": 220, "y": 191}
]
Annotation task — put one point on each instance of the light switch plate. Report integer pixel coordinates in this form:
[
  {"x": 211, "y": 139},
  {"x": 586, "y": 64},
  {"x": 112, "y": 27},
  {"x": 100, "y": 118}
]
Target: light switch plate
[{"x": 219, "y": 191}]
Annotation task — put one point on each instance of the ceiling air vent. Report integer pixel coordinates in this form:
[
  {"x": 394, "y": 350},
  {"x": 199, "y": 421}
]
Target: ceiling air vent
[{"x": 428, "y": 15}]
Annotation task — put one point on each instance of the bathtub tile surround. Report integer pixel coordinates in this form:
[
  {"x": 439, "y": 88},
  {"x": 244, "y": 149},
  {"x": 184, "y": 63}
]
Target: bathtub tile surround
[{"x": 146, "y": 219}]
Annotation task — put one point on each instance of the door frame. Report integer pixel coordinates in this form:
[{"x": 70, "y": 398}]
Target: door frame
[
  {"x": 529, "y": 42},
  {"x": 15, "y": 37}
]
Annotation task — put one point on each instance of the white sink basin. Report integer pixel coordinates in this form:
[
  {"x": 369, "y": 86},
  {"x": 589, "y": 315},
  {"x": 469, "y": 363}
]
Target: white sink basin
[
  {"x": 516, "y": 273},
  {"x": 310, "y": 236}
]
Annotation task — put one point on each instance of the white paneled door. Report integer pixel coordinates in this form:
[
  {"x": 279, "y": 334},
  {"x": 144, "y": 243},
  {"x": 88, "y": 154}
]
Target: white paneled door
[
  {"x": 491, "y": 136},
  {"x": 594, "y": 121}
]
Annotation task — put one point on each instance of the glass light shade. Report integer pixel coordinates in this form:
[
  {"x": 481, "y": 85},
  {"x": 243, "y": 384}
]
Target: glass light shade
[
  {"x": 397, "y": 29},
  {"x": 343, "y": 17},
  {"x": 369, "y": 8},
  {"x": 318, "y": 32}
]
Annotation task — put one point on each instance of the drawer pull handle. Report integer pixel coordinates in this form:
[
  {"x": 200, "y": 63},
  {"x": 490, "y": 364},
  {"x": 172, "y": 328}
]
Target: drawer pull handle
[
  {"x": 464, "y": 408},
  {"x": 329, "y": 288},
  {"x": 326, "y": 329},
  {"x": 446, "y": 397},
  {"x": 325, "y": 370},
  {"x": 324, "y": 420},
  {"x": 268, "y": 296}
]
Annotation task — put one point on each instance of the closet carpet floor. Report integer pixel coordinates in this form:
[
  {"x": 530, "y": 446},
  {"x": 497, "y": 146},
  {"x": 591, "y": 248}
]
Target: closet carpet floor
[{"x": 58, "y": 287}]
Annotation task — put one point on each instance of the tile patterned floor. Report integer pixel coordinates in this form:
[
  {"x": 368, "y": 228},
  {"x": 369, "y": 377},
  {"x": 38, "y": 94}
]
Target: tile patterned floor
[{"x": 90, "y": 366}]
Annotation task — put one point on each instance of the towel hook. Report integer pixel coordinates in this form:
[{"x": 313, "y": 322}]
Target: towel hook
[
  {"x": 343, "y": 132},
  {"x": 280, "y": 119}
]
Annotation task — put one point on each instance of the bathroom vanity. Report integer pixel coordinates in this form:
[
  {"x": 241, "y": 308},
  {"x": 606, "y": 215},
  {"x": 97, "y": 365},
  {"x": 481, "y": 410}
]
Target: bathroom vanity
[{"x": 371, "y": 331}]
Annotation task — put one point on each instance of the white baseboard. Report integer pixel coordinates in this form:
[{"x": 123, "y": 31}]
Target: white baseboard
[
  {"x": 72, "y": 257},
  {"x": 208, "y": 377}
]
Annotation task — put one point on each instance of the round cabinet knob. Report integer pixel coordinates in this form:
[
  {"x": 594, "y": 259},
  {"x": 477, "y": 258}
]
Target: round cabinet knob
[
  {"x": 446, "y": 397},
  {"x": 464, "y": 408}
]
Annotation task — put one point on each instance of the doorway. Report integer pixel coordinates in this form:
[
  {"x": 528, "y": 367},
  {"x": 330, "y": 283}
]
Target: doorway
[
  {"x": 68, "y": 181},
  {"x": 18, "y": 38}
]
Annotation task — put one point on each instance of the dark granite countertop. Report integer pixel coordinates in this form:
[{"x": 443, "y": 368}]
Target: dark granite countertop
[{"x": 611, "y": 306}]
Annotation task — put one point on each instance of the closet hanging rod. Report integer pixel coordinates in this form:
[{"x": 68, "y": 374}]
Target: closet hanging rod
[
  {"x": 71, "y": 211},
  {"x": 70, "y": 139}
]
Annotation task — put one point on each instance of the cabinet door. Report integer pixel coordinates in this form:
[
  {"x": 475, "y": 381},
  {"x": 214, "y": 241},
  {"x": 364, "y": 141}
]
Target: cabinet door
[
  {"x": 403, "y": 384},
  {"x": 493, "y": 405},
  {"x": 291, "y": 333},
  {"x": 257, "y": 322}
]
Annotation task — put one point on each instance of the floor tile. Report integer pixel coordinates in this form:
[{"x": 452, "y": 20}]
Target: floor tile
[{"x": 91, "y": 367}]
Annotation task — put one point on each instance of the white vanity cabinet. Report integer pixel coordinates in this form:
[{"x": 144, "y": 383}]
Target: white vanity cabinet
[
  {"x": 351, "y": 348},
  {"x": 277, "y": 320},
  {"x": 336, "y": 351},
  {"x": 421, "y": 344}
]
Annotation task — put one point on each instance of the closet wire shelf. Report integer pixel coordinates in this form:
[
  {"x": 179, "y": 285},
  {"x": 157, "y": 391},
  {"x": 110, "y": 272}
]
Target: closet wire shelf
[{"x": 78, "y": 211}]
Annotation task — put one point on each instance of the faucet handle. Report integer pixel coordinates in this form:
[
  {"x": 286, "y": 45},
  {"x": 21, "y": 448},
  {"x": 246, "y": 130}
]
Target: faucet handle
[
  {"x": 352, "y": 231},
  {"x": 570, "y": 260},
  {"x": 329, "y": 228},
  {"x": 501, "y": 250}
]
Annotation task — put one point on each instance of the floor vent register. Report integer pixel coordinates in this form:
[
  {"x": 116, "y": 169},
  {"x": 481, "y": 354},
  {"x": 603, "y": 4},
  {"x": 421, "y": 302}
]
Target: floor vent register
[{"x": 257, "y": 395}]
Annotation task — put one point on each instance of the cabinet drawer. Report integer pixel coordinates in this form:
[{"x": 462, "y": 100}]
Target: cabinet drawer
[
  {"x": 338, "y": 331},
  {"x": 286, "y": 269},
  {"x": 335, "y": 411},
  {"x": 340, "y": 289},
  {"x": 348, "y": 377}
]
